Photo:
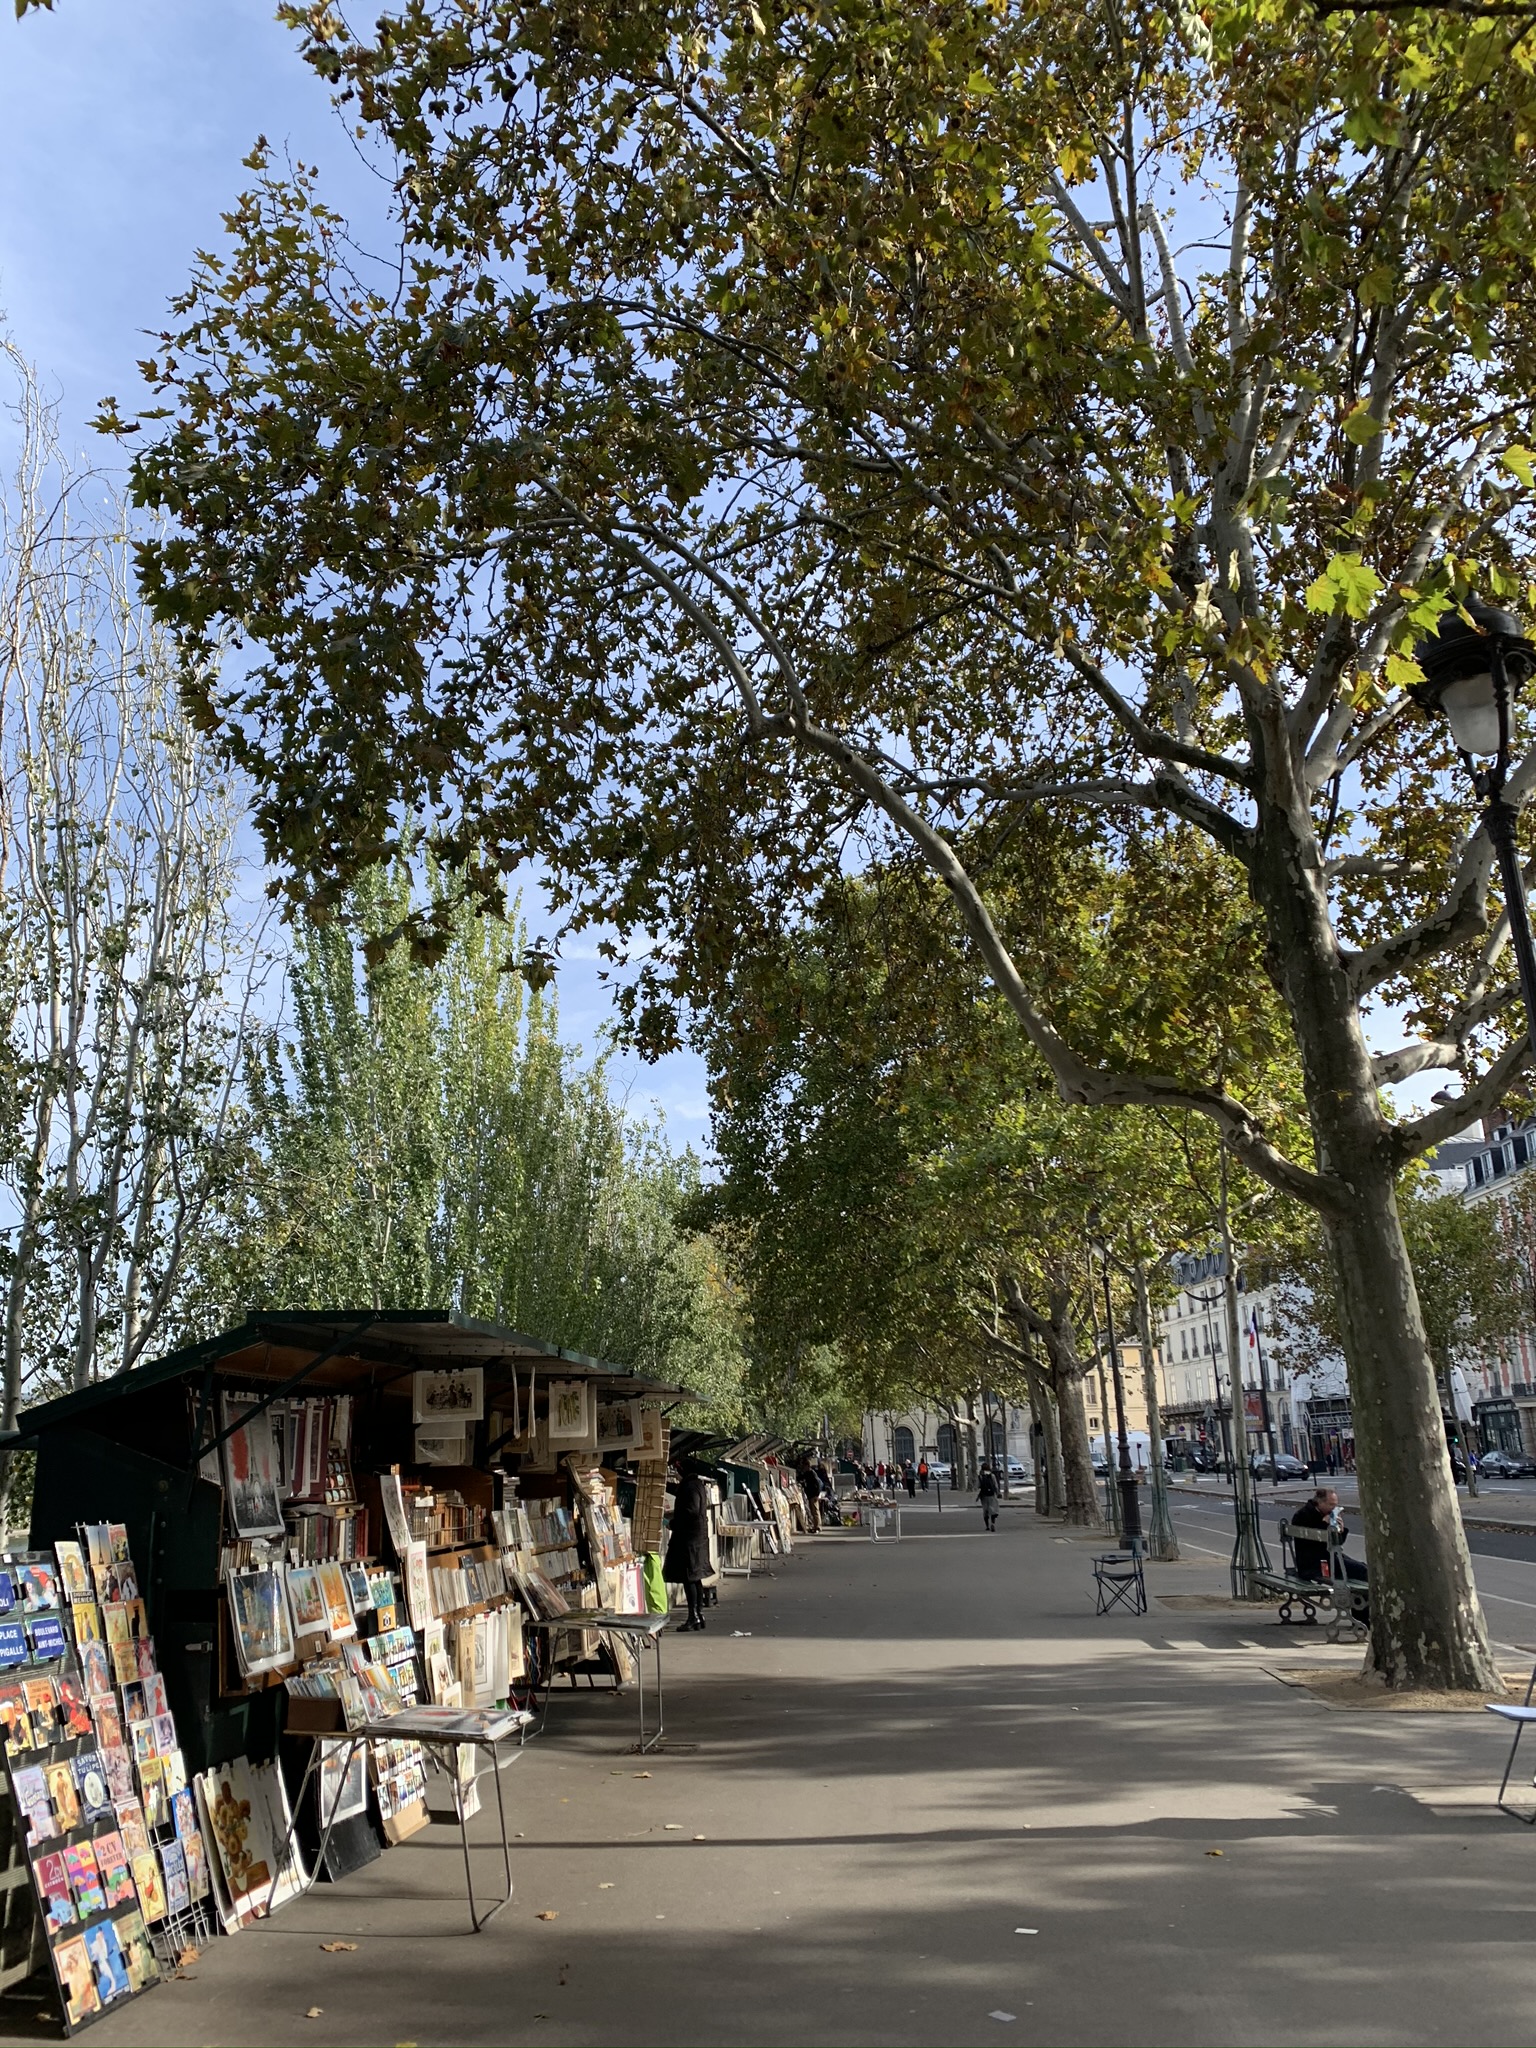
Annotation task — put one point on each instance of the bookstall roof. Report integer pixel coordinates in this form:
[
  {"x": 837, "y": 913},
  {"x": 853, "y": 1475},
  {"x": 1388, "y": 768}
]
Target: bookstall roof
[{"x": 283, "y": 1344}]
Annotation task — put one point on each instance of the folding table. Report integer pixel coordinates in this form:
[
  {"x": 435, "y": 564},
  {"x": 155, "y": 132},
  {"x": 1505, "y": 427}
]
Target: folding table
[
  {"x": 641, "y": 1630},
  {"x": 442, "y": 1728}
]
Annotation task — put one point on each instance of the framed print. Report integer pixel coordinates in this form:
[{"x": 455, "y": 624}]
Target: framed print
[{"x": 449, "y": 1398}]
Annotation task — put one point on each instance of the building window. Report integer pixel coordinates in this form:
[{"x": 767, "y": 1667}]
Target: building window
[{"x": 903, "y": 1445}]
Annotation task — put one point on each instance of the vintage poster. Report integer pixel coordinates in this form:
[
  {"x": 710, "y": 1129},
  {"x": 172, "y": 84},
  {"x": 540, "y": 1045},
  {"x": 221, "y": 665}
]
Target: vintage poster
[{"x": 251, "y": 1467}]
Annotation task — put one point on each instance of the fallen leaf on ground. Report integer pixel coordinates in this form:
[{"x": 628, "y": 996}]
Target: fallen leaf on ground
[
  {"x": 672, "y": 1827},
  {"x": 549, "y": 1916},
  {"x": 188, "y": 1955},
  {"x": 314, "y": 2012},
  {"x": 698, "y": 1838},
  {"x": 338, "y": 1948},
  {"x": 606, "y": 1887},
  {"x": 1215, "y": 1852},
  {"x": 641, "y": 1774}
]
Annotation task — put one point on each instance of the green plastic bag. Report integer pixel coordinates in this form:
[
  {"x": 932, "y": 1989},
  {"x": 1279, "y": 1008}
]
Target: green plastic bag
[{"x": 655, "y": 1584}]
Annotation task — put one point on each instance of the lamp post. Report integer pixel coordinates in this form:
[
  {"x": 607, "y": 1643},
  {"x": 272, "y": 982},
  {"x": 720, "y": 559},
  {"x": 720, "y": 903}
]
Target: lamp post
[
  {"x": 1472, "y": 675},
  {"x": 1130, "y": 1499}
]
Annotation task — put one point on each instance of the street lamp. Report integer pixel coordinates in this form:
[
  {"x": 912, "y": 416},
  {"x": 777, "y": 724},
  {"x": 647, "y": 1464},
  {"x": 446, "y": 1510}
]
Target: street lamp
[
  {"x": 1130, "y": 1500},
  {"x": 1472, "y": 674}
]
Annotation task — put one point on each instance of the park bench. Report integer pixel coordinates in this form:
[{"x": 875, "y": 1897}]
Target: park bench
[{"x": 1343, "y": 1599}]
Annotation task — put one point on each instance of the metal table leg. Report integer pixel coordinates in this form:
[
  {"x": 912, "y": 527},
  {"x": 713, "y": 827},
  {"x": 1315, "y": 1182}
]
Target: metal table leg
[
  {"x": 479, "y": 1921},
  {"x": 286, "y": 1851}
]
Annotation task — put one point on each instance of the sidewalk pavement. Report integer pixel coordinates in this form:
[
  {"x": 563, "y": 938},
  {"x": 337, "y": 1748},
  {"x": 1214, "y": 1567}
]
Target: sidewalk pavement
[{"x": 926, "y": 1796}]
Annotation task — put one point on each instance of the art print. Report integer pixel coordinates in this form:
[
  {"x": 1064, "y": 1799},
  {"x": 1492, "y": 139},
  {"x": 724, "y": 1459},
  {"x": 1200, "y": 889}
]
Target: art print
[
  {"x": 153, "y": 1793},
  {"x": 31, "y": 1790},
  {"x": 112, "y": 1862},
  {"x": 73, "y": 1576},
  {"x": 258, "y": 1609},
  {"x": 144, "y": 1659},
  {"x": 395, "y": 1518},
  {"x": 74, "y": 1707},
  {"x": 98, "y": 1544},
  {"x": 143, "y": 1970},
  {"x": 173, "y": 1772},
  {"x": 241, "y": 1835},
  {"x": 306, "y": 1603},
  {"x": 91, "y": 1778},
  {"x": 619, "y": 1425},
  {"x": 155, "y": 1701},
  {"x": 14, "y": 1720},
  {"x": 84, "y": 1879},
  {"x": 449, "y": 1398},
  {"x": 63, "y": 1796},
  {"x": 43, "y": 1711},
  {"x": 146, "y": 1875},
  {"x": 197, "y": 1863},
  {"x": 343, "y": 1782},
  {"x": 109, "y": 1722},
  {"x": 96, "y": 1668},
  {"x": 108, "y": 1962},
  {"x": 118, "y": 1764},
  {"x": 418, "y": 1585},
  {"x": 77, "y": 1980},
  {"x": 173, "y": 1868},
  {"x": 53, "y": 1883},
  {"x": 39, "y": 1588},
  {"x": 570, "y": 1418},
  {"x": 130, "y": 1825},
  {"x": 184, "y": 1813},
  {"x": 338, "y": 1609},
  {"x": 251, "y": 1466}
]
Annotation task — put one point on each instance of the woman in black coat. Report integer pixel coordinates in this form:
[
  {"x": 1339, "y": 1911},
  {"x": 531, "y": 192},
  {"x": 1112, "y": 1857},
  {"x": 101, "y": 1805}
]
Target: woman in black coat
[{"x": 687, "y": 1560}]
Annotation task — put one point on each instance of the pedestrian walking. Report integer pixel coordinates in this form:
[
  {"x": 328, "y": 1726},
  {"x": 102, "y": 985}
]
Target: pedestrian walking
[
  {"x": 987, "y": 1491},
  {"x": 910, "y": 1476},
  {"x": 687, "y": 1560},
  {"x": 922, "y": 1473},
  {"x": 810, "y": 1487}
]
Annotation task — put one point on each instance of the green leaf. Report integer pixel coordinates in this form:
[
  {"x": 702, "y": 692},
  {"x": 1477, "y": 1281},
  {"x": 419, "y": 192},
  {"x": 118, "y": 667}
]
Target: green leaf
[{"x": 1347, "y": 585}]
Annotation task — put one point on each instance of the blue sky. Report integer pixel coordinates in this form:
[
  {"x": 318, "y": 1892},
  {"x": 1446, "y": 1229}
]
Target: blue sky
[{"x": 122, "y": 128}]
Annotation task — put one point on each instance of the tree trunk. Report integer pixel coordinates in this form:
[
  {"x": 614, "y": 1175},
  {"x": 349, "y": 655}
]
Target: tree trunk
[
  {"x": 1050, "y": 1497},
  {"x": 1080, "y": 1496},
  {"x": 1427, "y": 1628}
]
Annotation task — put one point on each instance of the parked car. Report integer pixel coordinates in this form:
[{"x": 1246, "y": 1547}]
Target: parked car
[
  {"x": 937, "y": 1469},
  {"x": 1505, "y": 1465},
  {"x": 1280, "y": 1466},
  {"x": 1020, "y": 1473}
]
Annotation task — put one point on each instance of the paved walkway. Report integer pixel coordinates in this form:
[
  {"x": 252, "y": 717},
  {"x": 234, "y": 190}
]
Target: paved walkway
[{"x": 919, "y": 1750}]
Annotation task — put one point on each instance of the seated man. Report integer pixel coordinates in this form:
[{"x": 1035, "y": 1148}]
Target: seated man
[{"x": 1321, "y": 1512}]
